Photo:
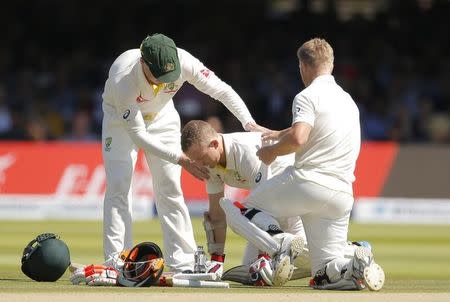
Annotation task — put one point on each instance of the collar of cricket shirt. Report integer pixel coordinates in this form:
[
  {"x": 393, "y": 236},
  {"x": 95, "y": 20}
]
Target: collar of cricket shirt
[
  {"x": 144, "y": 86},
  {"x": 228, "y": 149},
  {"x": 157, "y": 87},
  {"x": 324, "y": 78}
]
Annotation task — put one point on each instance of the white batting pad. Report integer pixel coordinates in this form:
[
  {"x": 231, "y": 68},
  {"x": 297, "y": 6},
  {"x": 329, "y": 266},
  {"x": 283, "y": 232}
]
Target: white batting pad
[{"x": 244, "y": 227}]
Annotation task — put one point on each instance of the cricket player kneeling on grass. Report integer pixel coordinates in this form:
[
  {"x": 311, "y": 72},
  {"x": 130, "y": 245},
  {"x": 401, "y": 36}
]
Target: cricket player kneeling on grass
[{"x": 142, "y": 267}]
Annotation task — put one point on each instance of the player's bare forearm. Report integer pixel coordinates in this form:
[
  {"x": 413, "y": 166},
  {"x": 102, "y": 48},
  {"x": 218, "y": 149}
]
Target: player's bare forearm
[
  {"x": 215, "y": 211},
  {"x": 284, "y": 131},
  {"x": 273, "y": 135},
  {"x": 285, "y": 145},
  {"x": 217, "y": 216},
  {"x": 199, "y": 172},
  {"x": 292, "y": 139},
  {"x": 290, "y": 142}
]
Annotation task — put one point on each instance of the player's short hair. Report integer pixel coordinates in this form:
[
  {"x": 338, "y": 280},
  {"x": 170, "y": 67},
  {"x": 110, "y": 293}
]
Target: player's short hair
[
  {"x": 196, "y": 131},
  {"x": 316, "y": 53}
]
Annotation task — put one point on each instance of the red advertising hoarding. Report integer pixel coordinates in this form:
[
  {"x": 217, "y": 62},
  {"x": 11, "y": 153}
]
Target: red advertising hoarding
[{"x": 73, "y": 173}]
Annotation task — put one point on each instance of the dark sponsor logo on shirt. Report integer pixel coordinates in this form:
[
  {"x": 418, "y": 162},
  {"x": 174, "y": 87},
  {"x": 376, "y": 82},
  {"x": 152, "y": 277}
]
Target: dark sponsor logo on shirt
[
  {"x": 258, "y": 177},
  {"x": 126, "y": 114}
]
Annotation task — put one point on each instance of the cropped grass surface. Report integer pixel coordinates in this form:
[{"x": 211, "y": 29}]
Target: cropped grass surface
[{"x": 415, "y": 257}]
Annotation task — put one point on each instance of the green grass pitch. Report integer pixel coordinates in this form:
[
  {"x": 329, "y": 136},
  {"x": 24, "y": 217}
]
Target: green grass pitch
[{"x": 416, "y": 258}]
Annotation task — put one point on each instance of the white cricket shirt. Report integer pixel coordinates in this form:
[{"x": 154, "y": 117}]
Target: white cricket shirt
[
  {"x": 244, "y": 169},
  {"x": 138, "y": 103},
  {"x": 329, "y": 156}
]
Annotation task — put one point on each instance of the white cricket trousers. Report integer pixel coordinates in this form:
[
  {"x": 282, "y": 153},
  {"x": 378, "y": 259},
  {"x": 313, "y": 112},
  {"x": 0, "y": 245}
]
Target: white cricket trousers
[
  {"x": 325, "y": 214},
  {"x": 119, "y": 160}
]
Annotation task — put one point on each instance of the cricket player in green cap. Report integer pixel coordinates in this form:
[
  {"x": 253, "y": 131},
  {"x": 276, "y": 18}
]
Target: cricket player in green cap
[{"x": 139, "y": 114}]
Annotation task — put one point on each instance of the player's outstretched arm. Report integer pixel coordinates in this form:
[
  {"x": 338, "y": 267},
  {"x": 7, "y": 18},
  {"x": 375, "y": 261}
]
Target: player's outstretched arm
[
  {"x": 289, "y": 142},
  {"x": 254, "y": 127},
  {"x": 273, "y": 135}
]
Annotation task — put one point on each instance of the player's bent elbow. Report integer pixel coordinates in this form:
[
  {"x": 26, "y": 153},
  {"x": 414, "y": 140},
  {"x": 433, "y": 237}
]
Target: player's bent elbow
[
  {"x": 298, "y": 141},
  {"x": 300, "y": 138}
]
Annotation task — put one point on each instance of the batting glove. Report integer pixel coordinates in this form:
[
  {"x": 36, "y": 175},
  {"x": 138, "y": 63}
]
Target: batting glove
[
  {"x": 106, "y": 276},
  {"x": 94, "y": 275},
  {"x": 78, "y": 276}
]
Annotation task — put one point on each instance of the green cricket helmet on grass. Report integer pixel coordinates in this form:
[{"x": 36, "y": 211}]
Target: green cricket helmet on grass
[{"x": 45, "y": 258}]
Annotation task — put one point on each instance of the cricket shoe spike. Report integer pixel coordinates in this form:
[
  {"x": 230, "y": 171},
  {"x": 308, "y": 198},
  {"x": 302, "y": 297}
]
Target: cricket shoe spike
[
  {"x": 283, "y": 270},
  {"x": 365, "y": 269},
  {"x": 291, "y": 247}
]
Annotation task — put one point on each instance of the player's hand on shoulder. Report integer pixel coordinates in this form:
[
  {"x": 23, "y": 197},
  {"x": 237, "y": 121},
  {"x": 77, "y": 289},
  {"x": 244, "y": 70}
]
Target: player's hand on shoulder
[
  {"x": 266, "y": 155},
  {"x": 198, "y": 171},
  {"x": 270, "y": 136}
]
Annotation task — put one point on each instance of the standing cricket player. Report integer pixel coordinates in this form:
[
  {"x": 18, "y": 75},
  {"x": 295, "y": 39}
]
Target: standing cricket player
[
  {"x": 325, "y": 137},
  {"x": 139, "y": 113},
  {"x": 231, "y": 159}
]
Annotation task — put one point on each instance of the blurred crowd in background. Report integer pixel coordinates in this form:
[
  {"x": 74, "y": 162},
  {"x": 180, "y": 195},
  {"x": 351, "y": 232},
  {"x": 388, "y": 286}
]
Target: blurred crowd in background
[{"x": 393, "y": 57}]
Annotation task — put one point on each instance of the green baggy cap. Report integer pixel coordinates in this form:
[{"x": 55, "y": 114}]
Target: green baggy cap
[{"x": 160, "y": 54}]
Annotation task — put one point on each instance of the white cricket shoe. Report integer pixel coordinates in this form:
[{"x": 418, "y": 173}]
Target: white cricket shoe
[
  {"x": 291, "y": 247},
  {"x": 365, "y": 269},
  {"x": 260, "y": 271},
  {"x": 215, "y": 265}
]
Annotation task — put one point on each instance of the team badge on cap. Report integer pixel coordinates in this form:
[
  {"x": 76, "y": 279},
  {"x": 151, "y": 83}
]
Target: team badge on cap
[{"x": 169, "y": 67}]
